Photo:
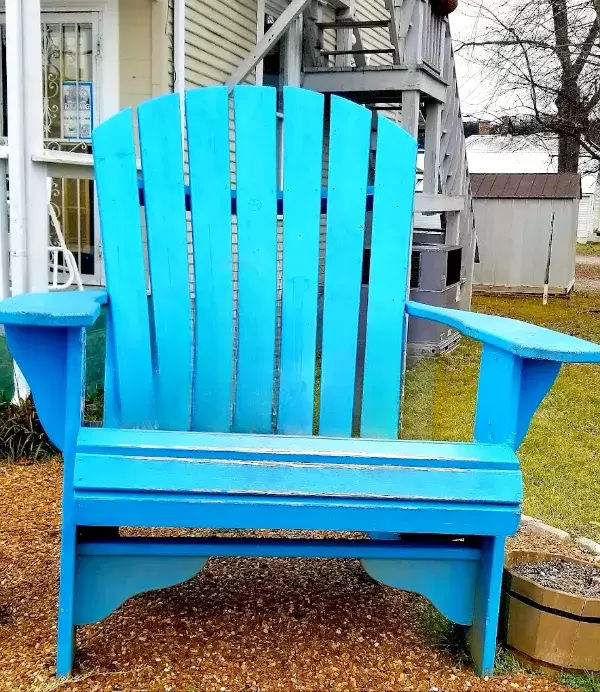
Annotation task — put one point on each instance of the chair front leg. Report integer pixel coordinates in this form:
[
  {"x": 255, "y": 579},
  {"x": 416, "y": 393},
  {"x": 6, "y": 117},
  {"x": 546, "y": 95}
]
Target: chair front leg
[{"x": 482, "y": 634}]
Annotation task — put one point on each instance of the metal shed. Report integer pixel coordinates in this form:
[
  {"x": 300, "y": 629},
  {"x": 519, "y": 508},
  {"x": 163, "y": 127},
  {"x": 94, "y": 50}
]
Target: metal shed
[{"x": 513, "y": 217}]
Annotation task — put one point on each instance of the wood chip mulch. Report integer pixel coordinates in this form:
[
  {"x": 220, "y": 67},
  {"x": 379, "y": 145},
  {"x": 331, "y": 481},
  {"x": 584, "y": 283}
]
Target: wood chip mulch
[{"x": 241, "y": 624}]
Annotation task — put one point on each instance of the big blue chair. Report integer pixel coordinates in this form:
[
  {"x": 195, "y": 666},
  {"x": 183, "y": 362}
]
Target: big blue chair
[{"x": 212, "y": 365}]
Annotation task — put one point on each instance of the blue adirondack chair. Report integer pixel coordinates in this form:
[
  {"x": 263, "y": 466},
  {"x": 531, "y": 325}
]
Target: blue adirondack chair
[{"x": 210, "y": 383}]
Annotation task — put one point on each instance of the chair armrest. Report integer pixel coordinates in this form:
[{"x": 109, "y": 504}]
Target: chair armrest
[
  {"x": 45, "y": 333},
  {"x": 71, "y": 309},
  {"x": 519, "y": 338},
  {"x": 519, "y": 364}
]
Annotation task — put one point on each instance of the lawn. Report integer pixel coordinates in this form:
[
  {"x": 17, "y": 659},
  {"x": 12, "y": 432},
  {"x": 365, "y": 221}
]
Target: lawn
[
  {"x": 561, "y": 454},
  {"x": 588, "y": 248}
]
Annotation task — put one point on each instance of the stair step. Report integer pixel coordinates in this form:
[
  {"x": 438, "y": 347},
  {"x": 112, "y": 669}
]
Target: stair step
[
  {"x": 362, "y": 51},
  {"x": 354, "y": 24}
]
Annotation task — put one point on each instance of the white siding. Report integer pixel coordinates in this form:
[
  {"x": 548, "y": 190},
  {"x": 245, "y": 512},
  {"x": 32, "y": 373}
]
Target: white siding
[
  {"x": 219, "y": 35},
  {"x": 378, "y": 37},
  {"x": 328, "y": 15},
  {"x": 171, "y": 45},
  {"x": 135, "y": 52}
]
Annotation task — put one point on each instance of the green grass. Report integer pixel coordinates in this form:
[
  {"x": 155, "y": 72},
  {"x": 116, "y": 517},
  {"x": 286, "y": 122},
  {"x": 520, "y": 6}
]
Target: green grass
[
  {"x": 22, "y": 438},
  {"x": 450, "y": 638},
  {"x": 442, "y": 633},
  {"x": 94, "y": 407},
  {"x": 589, "y": 682},
  {"x": 588, "y": 248},
  {"x": 561, "y": 454},
  {"x": 506, "y": 663}
]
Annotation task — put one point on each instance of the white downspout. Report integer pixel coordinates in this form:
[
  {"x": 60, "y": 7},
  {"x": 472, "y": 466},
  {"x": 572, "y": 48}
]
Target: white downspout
[
  {"x": 179, "y": 46},
  {"x": 260, "y": 32},
  {"x": 16, "y": 151},
  {"x": 4, "y": 249},
  {"x": 36, "y": 178}
]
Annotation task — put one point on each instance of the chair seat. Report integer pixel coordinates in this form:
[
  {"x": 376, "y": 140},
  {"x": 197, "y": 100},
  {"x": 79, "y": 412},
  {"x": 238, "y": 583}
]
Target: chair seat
[{"x": 144, "y": 468}]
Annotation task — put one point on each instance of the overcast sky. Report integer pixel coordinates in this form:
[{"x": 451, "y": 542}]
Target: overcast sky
[{"x": 474, "y": 92}]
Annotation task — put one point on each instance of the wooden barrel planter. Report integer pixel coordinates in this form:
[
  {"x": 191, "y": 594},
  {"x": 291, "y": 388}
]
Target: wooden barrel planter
[{"x": 549, "y": 626}]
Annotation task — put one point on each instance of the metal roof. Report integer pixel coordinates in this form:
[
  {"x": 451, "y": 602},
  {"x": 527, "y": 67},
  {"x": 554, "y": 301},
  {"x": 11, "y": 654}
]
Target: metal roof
[{"x": 526, "y": 185}]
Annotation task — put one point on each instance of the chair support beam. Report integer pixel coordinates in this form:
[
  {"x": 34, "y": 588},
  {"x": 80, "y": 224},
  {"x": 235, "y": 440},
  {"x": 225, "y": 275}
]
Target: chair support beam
[{"x": 135, "y": 565}]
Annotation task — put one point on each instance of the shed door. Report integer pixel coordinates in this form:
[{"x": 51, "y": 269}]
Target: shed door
[{"x": 584, "y": 219}]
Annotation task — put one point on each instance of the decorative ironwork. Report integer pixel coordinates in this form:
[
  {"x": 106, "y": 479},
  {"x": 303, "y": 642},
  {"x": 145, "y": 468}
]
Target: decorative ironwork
[
  {"x": 67, "y": 59},
  {"x": 51, "y": 56}
]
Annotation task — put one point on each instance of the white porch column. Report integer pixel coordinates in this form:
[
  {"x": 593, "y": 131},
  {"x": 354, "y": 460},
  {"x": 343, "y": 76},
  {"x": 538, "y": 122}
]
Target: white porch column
[
  {"x": 292, "y": 52},
  {"x": 4, "y": 267},
  {"x": 28, "y": 192}
]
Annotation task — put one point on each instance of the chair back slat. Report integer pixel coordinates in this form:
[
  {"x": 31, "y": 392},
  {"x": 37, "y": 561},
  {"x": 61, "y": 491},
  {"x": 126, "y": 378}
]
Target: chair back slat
[
  {"x": 390, "y": 255},
  {"x": 349, "y": 137},
  {"x": 207, "y": 114},
  {"x": 256, "y": 184},
  {"x": 302, "y": 168},
  {"x": 120, "y": 219},
  {"x": 159, "y": 122}
]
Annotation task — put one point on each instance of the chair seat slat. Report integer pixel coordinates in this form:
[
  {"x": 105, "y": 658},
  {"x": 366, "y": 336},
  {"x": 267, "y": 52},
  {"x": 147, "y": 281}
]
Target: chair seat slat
[{"x": 392, "y": 481}]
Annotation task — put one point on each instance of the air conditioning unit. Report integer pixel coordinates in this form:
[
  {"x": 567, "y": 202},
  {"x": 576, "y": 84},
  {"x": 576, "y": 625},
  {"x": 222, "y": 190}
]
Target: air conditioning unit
[{"x": 436, "y": 279}]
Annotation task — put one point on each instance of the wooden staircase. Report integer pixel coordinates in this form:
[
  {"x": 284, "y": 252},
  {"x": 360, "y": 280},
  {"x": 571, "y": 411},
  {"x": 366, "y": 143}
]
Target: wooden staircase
[
  {"x": 403, "y": 15},
  {"x": 402, "y": 62}
]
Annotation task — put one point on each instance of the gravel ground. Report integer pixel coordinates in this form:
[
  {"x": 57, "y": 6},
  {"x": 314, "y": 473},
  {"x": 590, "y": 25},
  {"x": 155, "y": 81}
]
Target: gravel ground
[
  {"x": 583, "y": 580},
  {"x": 241, "y": 624}
]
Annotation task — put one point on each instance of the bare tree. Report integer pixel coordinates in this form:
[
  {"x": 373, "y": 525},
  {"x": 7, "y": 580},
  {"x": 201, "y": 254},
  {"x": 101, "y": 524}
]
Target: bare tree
[{"x": 543, "y": 57}]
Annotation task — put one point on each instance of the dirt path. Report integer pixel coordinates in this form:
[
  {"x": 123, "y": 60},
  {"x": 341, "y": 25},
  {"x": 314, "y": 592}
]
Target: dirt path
[
  {"x": 241, "y": 624},
  {"x": 593, "y": 260},
  {"x": 587, "y": 273}
]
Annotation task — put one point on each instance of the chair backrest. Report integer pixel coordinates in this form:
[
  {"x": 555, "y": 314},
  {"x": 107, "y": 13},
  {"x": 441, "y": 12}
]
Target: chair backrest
[{"x": 227, "y": 339}]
